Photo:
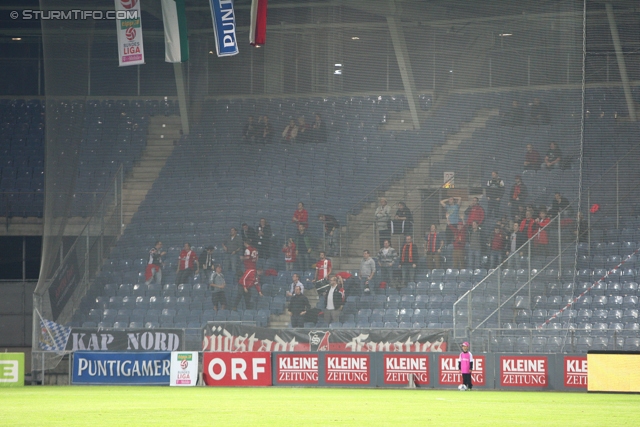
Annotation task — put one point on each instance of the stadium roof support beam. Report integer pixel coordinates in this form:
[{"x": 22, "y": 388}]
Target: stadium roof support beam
[
  {"x": 404, "y": 64},
  {"x": 621, "y": 64},
  {"x": 182, "y": 97},
  {"x": 155, "y": 10}
]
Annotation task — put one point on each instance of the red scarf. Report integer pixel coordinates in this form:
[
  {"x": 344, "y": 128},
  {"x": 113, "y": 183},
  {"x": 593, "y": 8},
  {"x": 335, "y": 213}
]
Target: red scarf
[
  {"x": 432, "y": 239},
  {"x": 516, "y": 192},
  {"x": 404, "y": 252}
]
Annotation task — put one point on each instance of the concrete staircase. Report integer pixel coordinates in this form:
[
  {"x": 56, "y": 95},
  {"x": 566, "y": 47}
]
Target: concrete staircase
[
  {"x": 409, "y": 189},
  {"x": 162, "y": 133}
]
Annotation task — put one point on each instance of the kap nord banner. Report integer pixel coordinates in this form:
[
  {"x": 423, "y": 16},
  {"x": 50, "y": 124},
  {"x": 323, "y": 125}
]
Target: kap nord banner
[
  {"x": 234, "y": 337},
  {"x": 91, "y": 339}
]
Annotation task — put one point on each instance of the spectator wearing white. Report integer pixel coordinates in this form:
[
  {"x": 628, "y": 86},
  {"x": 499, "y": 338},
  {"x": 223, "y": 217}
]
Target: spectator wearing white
[
  {"x": 387, "y": 257},
  {"x": 367, "y": 271},
  {"x": 333, "y": 301},
  {"x": 383, "y": 216}
]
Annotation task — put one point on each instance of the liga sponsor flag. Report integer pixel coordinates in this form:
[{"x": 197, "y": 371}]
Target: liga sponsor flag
[
  {"x": 53, "y": 337},
  {"x": 258, "y": 26},
  {"x": 176, "y": 43},
  {"x": 129, "y": 31},
  {"x": 184, "y": 368},
  {"x": 224, "y": 27}
]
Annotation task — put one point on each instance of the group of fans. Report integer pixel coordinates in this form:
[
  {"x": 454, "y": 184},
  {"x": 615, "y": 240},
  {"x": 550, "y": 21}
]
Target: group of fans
[{"x": 248, "y": 246}]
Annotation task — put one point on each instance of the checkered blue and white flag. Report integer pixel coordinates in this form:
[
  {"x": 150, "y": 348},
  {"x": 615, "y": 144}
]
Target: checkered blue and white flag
[{"x": 53, "y": 337}]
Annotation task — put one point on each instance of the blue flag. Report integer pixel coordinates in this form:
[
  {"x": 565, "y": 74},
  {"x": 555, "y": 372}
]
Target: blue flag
[
  {"x": 53, "y": 337},
  {"x": 224, "y": 27}
]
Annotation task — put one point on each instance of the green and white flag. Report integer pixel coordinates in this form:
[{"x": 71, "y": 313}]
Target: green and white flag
[{"x": 176, "y": 43}]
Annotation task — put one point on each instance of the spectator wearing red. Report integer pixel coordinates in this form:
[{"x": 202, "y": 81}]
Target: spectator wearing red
[
  {"x": 408, "y": 261},
  {"x": 526, "y": 225},
  {"x": 154, "y": 264},
  {"x": 301, "y": 216},
  {"x": 289, "y": 251},
  {"x": 250, "y": 279},
  {"x": 250, "y": 257},
  {"x": 187, "y": 264},
  {"x": 497, "y": 246},
  {"x": 518, "y": 196},
  {"x": 475, "y": 212},
  {"x": 541, "y": 238},
  {"x": 434, "y": 245},
  {"x": 323, "y": 267},
  {"x": 459, "y": 242}
]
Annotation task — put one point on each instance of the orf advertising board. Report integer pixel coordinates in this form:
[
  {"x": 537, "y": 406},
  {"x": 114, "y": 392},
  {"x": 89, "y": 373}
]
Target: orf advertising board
[
  {"x": 102, "y": 367},
  {"x": 524, "y": 371},
  {"x": 398, "y": 368},
  {"x": 575, "y": 371},
  {"x": 11, "y": 369},
  {"x": 347, "y": 369},
  {"x": 449, "y": 374},
  {"x": 296, "y": 369},
  {"x": 237, "y": 369}
]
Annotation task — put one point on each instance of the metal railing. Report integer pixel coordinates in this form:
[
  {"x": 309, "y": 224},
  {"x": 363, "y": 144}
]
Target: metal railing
[
  {"x": 506, "y": 292},
  {"x": 464, "y": 304},
  {"x": 565, "y": 340}
]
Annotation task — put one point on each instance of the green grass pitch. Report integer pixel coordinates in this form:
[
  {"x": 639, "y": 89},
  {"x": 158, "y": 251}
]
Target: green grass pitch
[{"x": 200, "y": 406}]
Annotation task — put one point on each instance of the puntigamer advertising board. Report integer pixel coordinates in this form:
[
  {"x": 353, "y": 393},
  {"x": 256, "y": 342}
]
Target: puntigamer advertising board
[{"x": 128, "y": 368}]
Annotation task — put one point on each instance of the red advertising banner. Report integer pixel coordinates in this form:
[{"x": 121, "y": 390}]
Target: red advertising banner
[
  {"x": 297, "y": 369},
  {"x": 237, "y": 369},
  {"x": 398, "y": 368},
  {"x": 449, "y": 373},
  {"x": 347, "y": 369},
  {"x": 575, "y": 371},
  {"x": 524, "y": 371}
]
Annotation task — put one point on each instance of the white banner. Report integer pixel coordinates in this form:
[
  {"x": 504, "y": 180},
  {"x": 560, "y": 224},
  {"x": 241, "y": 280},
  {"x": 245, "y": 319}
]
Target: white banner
[
  {"x": 176, "y": 44},
  {"x": 130, "y": 48},
  {"x": 184, "y": 368}
]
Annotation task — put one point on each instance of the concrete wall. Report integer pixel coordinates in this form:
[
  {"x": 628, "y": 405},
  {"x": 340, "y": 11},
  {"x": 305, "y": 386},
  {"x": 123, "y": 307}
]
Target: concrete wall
[{"x": 16, "y": 307}]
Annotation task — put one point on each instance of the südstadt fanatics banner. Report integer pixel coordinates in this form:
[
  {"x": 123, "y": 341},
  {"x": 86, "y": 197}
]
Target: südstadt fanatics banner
[
  {"x": 234, "y": 338},
  {"x": 101, "y": 367},
  {"x": 130, "y": 340},
  {"x": 130, "y": 47}
]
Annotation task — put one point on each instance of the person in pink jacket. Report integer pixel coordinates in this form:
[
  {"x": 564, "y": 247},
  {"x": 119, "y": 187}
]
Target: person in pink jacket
[{"x": 465, "y": 365}]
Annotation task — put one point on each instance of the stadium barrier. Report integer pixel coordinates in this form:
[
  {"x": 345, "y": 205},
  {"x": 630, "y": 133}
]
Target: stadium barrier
[{"x": 508, "y": 371}]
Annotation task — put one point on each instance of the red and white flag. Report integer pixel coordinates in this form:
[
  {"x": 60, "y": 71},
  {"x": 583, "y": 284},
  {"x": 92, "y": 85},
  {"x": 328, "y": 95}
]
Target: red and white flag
[{"x": 258, "y": 27}]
